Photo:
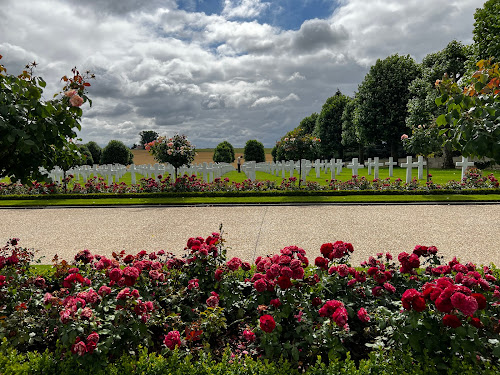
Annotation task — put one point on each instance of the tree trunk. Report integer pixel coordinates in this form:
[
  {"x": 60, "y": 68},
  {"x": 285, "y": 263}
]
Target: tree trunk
[
  {"x": 448, "y": 158},
  {"x": 361, "y": 151}
]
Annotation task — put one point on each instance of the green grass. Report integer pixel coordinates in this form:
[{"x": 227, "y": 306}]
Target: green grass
[{"x": 254, "y": 200}]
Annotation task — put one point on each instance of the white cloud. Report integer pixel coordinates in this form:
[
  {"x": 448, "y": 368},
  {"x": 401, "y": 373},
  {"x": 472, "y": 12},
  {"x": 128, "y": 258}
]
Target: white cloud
[
  {"x": 170, "y": 70},
  {"x": 243, "y": 8}
]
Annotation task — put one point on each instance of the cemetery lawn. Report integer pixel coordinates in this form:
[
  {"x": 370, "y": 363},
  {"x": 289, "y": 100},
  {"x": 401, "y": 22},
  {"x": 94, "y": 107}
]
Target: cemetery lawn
[{"x": 287, "y": 199}]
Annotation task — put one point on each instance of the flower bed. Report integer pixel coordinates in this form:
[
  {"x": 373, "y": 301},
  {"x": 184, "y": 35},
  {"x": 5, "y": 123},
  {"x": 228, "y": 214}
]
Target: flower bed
[
  {"x": 472, "y": 181},
  {"x": 97, "y": 309}
]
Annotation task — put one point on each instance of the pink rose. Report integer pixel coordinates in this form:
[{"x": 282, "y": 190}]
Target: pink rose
[
  {"x": 76, "y": 100},
  {"x": 172, "y": 339},
  {"x": 363, "y": 315}
]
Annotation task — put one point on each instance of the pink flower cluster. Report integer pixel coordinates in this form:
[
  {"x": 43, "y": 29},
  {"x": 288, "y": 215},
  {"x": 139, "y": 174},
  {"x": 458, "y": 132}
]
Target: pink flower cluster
[
  {"x": 280, "y": 269},
  {"x": 74, "y": 99}
]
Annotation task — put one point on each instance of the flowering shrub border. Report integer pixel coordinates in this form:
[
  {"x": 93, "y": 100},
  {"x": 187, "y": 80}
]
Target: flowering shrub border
[
  {"x": 472, "y": 182},
  {"x": 98, "y": 308}
]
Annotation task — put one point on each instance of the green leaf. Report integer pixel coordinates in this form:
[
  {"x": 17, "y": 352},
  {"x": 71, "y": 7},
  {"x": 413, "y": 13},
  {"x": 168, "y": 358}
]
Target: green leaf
[
  {"x": 441, "y": 120},
  {"x": 295, "y": 353}
]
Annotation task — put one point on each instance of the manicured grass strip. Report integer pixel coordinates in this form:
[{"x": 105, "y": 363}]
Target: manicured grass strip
[{"x": 254, "y": 200}]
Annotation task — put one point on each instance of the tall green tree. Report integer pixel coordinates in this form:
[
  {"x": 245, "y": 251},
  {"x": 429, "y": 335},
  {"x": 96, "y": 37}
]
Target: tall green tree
[
  {"x": 95, "y": 150},
  {"x": 33, "y": 130},
  {"x": 486, "y": 31},
  {"x": 308, "y": 124},
  {"x": 224, "y": 153},
  {"x": 329, "y": 126},
  {"x": 382, "y": 99},
  {"x": 422, "y": 108},
  {"x": 148, "y": 136},
  {"x": 351, "y": 135},
  {"x": 254, "y": 151}
]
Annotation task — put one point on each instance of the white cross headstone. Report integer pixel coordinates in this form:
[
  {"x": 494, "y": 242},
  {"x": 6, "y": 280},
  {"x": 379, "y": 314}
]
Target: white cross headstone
[
  {"x": 354, "y": 166},
  {"x": 465, "y": 163},
  {"x": 420, "y": 165},
  {"x": 376, "y": 165},
  {"x": 339, "y": 166},
  {"x": 369, "y": 165},
  {"x": 391, "y": 163},
  {"x": 408, "y": 165}
]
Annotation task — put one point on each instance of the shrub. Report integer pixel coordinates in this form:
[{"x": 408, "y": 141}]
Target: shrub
[
  {"x": 224, "y": 153},
  {"x": 95, "y": 150},
  {"x": 254, "y": 151},
  {"x": 116, "y": 153}
]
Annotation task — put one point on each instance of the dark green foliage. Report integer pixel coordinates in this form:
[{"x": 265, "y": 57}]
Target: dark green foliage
[
  {"x": 487, "y": 30},
  {"x": 329, "y": 126},
  {"x": 85, "y": 156},
  {"x": 95, "y": 150},
  {"x": 254, "y": 151},
  {"x": 147, "y": 136},
  {"x": 308, "y": 124},
  {"x": 382, "y": 99},
  {"x": 224, "y": 153},
  {"x": 116, "y": 153},
  {"x": 32, "y": 130}
]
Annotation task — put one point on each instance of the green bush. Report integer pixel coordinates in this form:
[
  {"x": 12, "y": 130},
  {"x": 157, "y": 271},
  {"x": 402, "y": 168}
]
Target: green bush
[
  {"x": 116, "y": 153},
  {"x": 224, "y": 153},
  {"x": 254, "y": 151},
  {"x": 95, "y": 150}
]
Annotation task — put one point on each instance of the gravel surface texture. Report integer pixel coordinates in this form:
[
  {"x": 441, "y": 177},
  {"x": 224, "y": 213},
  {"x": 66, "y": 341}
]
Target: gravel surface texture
[{"x": 470, "y": 232}]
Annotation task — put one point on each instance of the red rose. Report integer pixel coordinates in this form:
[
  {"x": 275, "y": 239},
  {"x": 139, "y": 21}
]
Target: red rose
[
  {"x": 267, "y": 323},
  {"x": 363, "y": 315},
  {"x": 321, "y": 262},
  {"x": 450, "y": 320},
  {"x": 284, "y": 282},
  {"x": 275, "y": 302},
  {"x": 326, "y": 249},
  {"x": 172, "y": 339},
  {"x": 413, "y": 299},
  {"x": 481, "y": 300},
  {"x": 466, "y": 304},
  {"x": 218, "y": 274},
  {"x": 476, "y": 322},
  {"x": 260, "y": 285}
]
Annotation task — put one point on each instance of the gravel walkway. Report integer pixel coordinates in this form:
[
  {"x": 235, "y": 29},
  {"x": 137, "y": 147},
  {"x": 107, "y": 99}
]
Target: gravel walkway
[{"x": 470, "y": 232}]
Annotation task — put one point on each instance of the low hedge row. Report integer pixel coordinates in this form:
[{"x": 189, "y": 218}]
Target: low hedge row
[{"x": 144, "y": 363}]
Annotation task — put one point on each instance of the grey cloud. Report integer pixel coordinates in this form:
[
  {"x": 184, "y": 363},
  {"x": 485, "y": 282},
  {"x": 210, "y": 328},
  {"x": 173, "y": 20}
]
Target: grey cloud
[
  {"x": 213, "y": 102},
  {"x": 316, "y": 34}
]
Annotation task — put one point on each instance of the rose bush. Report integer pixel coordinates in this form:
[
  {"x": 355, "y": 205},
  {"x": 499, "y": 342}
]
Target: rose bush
[
  {"x": 97, "y": 308},
  {"x": 473, "y": 179}
]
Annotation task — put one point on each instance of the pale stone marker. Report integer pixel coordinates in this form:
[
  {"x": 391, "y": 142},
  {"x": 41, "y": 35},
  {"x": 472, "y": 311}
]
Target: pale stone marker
[
  {"x": 391, "y": 163},
  {"x": 465, "y": 163},
  {"x": 420, "y": 165},
  {"x": 408, "y": 165},
  {"x": 376, "y": 166},
  {"x": 354, "y": 166}
]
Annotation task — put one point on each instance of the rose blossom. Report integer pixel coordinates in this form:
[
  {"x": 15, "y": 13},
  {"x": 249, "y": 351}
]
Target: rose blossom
[
  {"x": 450, "y": 320},
  {"x": 249, "y": 335},
  {"x": 363, "y": 315},
  {"x": 172, "y": 339},
  {"x": 76, "y": 100},
  {"x": 267, "y": 323}
]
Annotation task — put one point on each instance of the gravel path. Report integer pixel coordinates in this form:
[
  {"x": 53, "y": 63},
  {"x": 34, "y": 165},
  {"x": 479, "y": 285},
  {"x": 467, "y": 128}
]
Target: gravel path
[{"x": 470, "y": 232}]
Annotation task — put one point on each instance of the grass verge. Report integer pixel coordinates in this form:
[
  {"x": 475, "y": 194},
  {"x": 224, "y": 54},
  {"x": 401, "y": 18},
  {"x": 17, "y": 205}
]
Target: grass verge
[{"x": 253, "y": 200}]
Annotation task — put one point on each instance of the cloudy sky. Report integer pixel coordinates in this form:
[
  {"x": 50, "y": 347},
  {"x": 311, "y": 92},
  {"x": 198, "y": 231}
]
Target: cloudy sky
[{"x": 218, "y": 69}]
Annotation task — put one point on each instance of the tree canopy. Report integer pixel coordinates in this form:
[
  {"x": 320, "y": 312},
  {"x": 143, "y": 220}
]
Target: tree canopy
[
  {"x": 329, "y": 126},
  {"x": 486, "y": 31},
  {"x": 148, "y": 136},
  {"x": 254, "y": 151},
  {"x": 382, "y": 99},
  {"x": 33, "y": 130},
  {"x": 224, "y": 153}
]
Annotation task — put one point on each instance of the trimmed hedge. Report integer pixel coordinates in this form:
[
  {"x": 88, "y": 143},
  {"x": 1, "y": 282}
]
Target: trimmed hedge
[{"x": 33, "y": 363}]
